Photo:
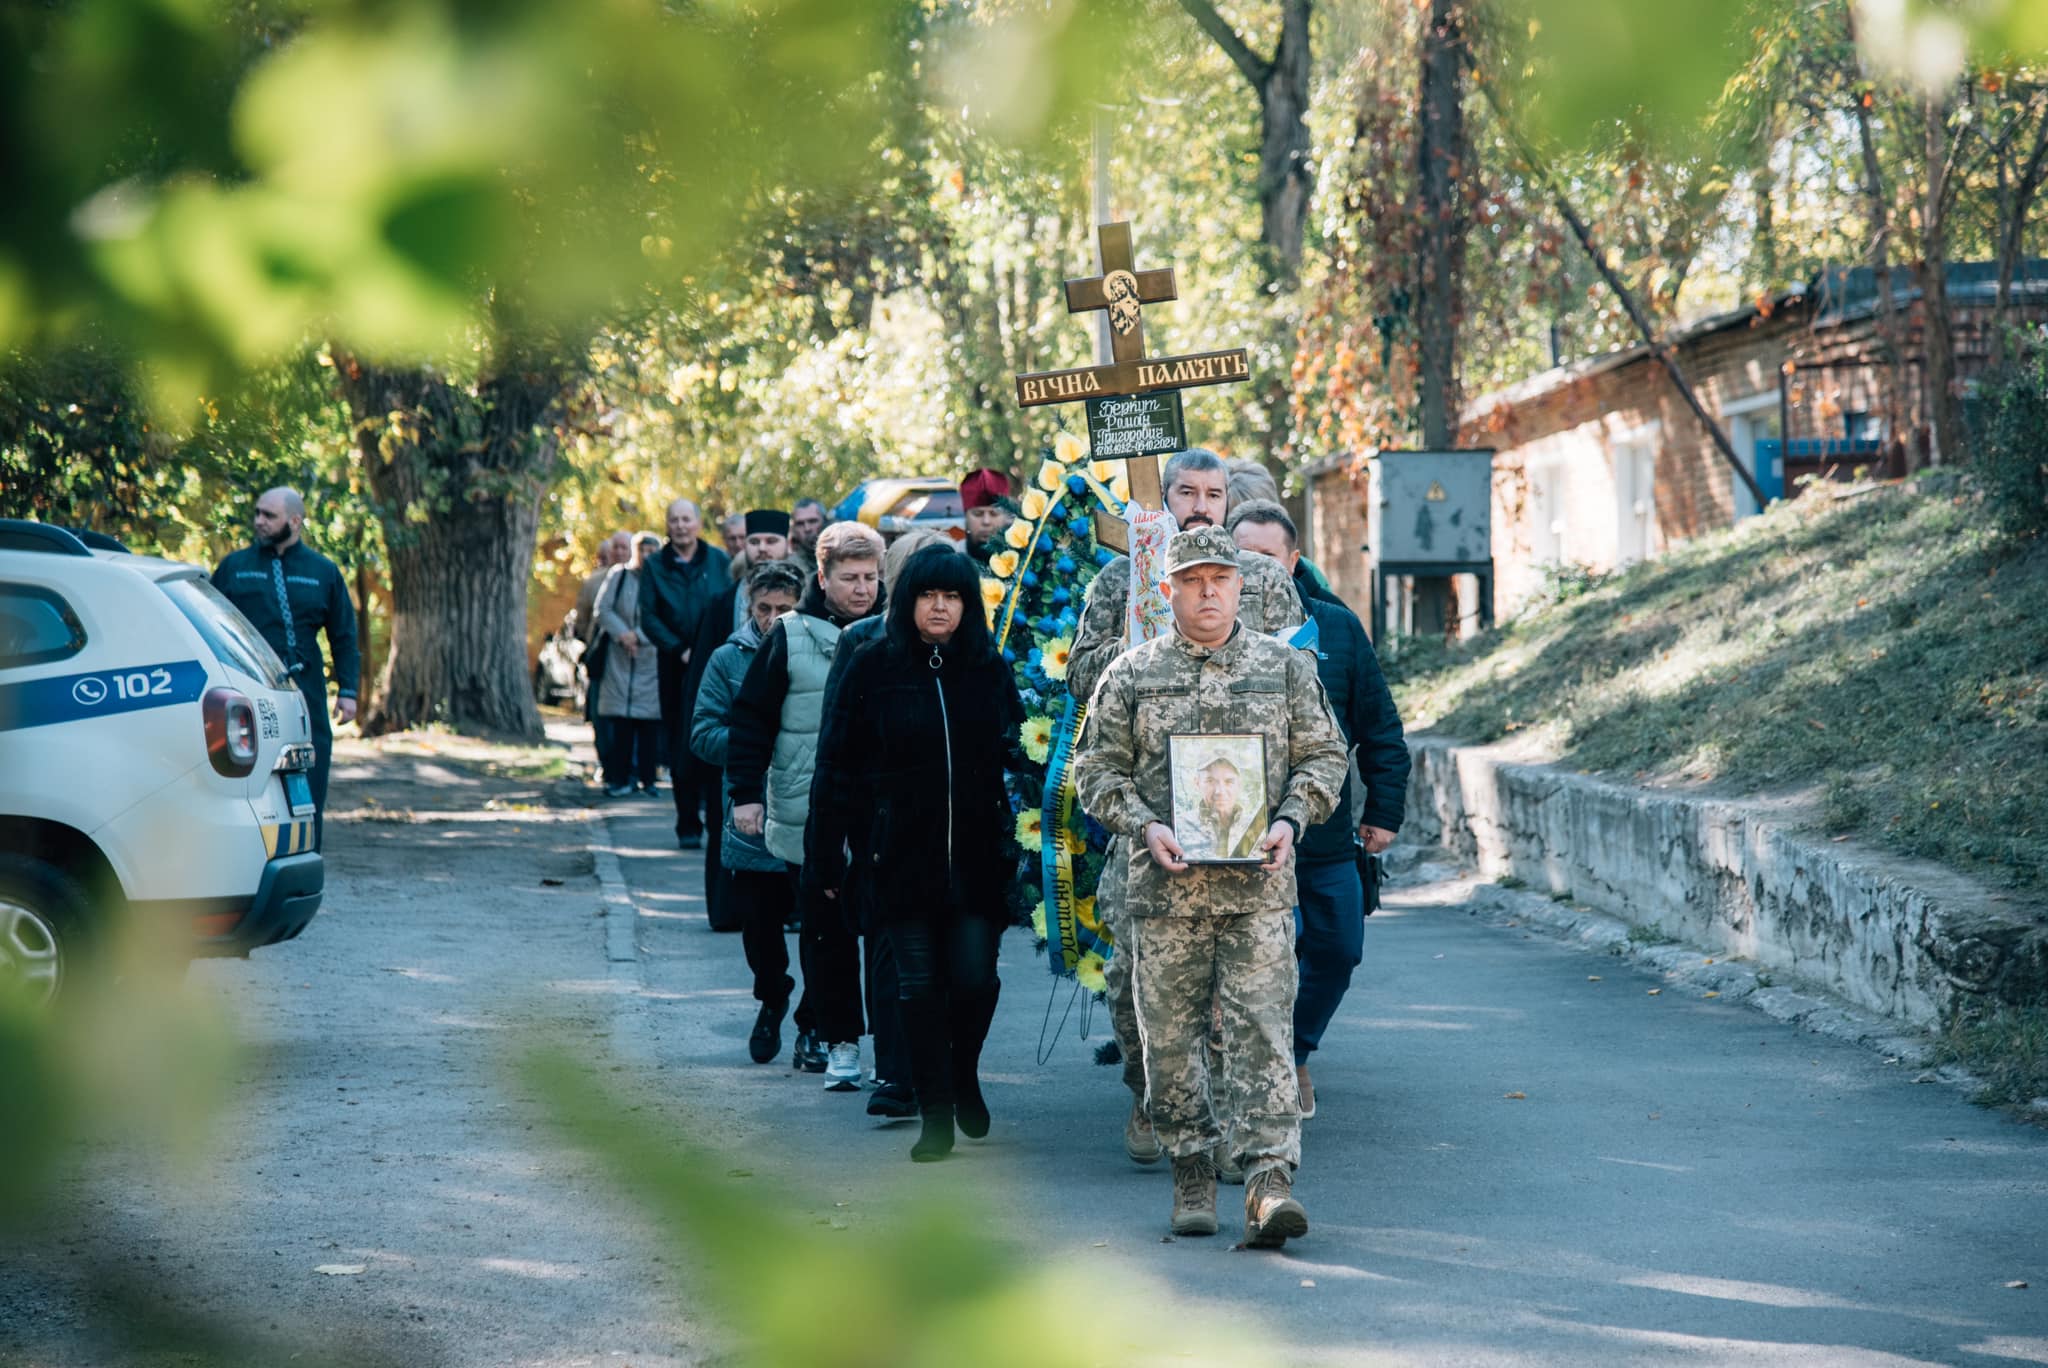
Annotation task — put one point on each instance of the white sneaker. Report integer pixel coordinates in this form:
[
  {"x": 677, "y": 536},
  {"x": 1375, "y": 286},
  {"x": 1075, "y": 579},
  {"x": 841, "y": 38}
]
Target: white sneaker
[{"x": 842, "y": 1067}]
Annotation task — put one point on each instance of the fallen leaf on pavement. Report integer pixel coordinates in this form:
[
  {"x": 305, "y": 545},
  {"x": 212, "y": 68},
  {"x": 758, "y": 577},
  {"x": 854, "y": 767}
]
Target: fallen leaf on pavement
[
  {"x": 1713, "y": 995},
  {"x": 341, "y": 1270},
  {"x": 1516, "y": 1097},
  {"x": 2017, "y": 1285},
  {"x": 1655, "y": 991},
  {"x": 1311, "y": 1282},
  {"x": 550, "y": 883},
  {"x": 1592, "y": 978}
]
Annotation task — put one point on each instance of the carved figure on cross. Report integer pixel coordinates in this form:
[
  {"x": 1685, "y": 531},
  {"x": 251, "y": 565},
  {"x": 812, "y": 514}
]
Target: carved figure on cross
[{"x": 1122, "y": 290}]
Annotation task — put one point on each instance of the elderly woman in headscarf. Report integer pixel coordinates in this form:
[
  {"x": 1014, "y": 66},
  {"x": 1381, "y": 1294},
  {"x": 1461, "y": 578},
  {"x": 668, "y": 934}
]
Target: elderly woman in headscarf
[
  {"x": 909, "y": 791},
  {"x": 629, "y": 695}
]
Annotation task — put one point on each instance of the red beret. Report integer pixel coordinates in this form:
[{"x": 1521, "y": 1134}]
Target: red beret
[{"x": 983, "y": 488}]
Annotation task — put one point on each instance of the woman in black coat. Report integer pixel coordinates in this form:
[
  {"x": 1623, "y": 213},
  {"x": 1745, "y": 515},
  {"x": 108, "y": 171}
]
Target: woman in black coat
[{"x": 909, "y": 784}]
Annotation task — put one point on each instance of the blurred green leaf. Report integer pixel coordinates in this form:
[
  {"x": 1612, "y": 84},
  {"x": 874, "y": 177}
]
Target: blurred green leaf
[{"x": 926, "y": 1287}]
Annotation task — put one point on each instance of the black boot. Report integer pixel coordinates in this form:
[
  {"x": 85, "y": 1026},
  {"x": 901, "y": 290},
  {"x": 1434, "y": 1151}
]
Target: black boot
[
  {"x": 970, "y": 1014},
  {"x": 928, "y": 1034},
  {"x": 936, "y": 1141}
]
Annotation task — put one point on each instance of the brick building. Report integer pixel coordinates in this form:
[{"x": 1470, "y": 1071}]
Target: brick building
[{"x": 1600, "y": 463}]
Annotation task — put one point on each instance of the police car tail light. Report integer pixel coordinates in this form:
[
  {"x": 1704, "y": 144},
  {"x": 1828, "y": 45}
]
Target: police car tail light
[{"x": 230, "y": 731}]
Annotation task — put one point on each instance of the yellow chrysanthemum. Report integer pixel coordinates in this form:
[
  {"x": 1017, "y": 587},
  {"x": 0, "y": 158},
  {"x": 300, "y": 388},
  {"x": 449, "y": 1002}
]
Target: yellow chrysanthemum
[
  {"x": 1038, "y": 921},
  {"x": 1105, "y": 471},
  {"x": 1121, "y": 487},
  {"x": 993, "y": 592},
  {"x": 1037, "y": 738},
  {"x": 1084, "y": 913},
  {"x": 1051, "y": 475},
  {"x": 1003, "y": 563},
  {"x": 1089, "y": 972},
  {"x": 1067, "y": 448},
  {"x": 1054, "y": 655},
  {"x": 1018, "y": 534},
  {"x": 1035, "y": 504},
  {"x": 1030, "y": 829}
]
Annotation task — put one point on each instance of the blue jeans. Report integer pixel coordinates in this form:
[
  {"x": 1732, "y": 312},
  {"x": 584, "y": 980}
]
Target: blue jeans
[{"x": 1329, "y": 928}]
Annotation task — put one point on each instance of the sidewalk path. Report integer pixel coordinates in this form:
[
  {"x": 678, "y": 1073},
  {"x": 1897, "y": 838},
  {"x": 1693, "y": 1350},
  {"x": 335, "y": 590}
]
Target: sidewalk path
[{"x": 374, "y": 1123}]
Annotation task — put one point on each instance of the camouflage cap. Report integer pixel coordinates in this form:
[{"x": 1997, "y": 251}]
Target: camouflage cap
[{"x": 1200, "y": 546}]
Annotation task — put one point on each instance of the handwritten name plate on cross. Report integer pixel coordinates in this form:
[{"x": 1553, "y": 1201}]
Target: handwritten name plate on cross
[{"x": 1123, "y": 426}]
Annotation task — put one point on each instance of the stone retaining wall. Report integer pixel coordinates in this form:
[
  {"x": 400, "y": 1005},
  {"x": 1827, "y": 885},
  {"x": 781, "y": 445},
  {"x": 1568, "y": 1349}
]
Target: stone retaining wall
[{"x": 1909, "y": 940}]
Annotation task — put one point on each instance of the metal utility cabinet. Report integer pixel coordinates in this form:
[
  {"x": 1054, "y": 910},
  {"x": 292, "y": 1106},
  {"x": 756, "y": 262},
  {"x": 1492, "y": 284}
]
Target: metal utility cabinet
[{"x": 1429, "y": 515}]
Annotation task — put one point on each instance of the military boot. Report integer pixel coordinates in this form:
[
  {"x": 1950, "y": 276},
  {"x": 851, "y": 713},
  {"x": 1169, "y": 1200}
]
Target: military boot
[
  {"x": 1194, "y": 1195},
  {"x": 1141, "y": 1142},
  {"x": 1271, "y": 1215}
]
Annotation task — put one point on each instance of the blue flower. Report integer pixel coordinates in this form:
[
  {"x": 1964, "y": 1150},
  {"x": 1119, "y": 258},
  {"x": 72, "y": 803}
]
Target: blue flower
[
  {"x": 1065, "y": 565},
  {"x": 1103, "y": 556},
  {"x": 1030, "y": 579},
  {"x": 1009, "y": 656},
  {"x": 1076, "y": 485},
  {"x": 1060, "y": 596}
]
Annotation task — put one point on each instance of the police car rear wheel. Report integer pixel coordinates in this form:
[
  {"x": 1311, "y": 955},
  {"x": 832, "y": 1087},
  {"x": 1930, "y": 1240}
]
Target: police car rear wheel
[{"x": 42, "y": 912}]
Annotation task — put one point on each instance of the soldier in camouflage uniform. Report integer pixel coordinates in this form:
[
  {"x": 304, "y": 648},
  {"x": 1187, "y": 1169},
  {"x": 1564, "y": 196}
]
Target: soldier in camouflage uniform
[
  {"x": 1214, "y": 932},
  {"x": 1196, "y": 486}
]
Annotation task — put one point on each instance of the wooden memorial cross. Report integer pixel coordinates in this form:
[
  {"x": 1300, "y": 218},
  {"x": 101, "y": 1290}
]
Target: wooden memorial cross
[{"x": 1122, "y": 291}]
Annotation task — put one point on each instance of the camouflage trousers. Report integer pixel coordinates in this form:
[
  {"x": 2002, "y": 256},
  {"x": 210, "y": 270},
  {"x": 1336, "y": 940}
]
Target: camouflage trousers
[
  {"x": 1116, "y": 974},
  {"x": 1243, "y": 965}
]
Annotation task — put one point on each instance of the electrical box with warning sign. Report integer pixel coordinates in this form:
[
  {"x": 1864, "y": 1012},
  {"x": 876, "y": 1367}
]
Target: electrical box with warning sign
[{"x": 1430, "y": 508}]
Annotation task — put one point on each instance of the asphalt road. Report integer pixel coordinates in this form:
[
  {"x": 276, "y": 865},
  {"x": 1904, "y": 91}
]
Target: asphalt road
[
  {"x": 1682, "y": 1180},
  {"x": 1675, "y": 1180}
]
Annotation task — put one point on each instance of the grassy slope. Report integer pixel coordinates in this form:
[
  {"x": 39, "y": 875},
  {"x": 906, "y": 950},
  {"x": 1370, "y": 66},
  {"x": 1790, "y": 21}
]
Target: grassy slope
[{"x": 1888, "y": 651}]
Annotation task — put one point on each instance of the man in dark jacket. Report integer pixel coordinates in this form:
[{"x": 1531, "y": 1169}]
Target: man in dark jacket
[
  {"x": 766, "y": 539},
  {"x": 681, "y": 582},
  {"x": 289, "y": 592},
  {"x": 1332, "y": 913}
]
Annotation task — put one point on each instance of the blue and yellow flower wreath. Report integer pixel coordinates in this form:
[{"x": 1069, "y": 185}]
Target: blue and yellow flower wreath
[{"x": 1033, "y": 595}]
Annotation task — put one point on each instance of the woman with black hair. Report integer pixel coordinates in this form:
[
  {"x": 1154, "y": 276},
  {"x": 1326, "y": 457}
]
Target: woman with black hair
[{"x": 910, "y": 782}]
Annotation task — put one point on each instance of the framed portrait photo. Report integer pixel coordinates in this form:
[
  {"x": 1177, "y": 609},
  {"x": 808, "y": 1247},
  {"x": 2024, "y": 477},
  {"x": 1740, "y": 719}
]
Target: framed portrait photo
[{"x": 1220, "y": 807}]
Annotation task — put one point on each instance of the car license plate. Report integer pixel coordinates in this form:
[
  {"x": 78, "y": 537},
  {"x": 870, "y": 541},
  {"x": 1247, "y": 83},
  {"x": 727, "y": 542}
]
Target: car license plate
[{"x": 298, "y": 791}]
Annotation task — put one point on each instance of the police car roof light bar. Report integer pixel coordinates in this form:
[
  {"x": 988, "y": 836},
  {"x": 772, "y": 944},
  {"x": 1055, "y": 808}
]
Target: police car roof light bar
[{"x": 19, "y": 534}]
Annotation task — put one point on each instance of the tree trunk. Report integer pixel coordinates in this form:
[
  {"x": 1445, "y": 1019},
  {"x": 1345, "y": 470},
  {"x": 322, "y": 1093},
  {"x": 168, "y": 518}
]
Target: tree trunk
[
  {"x": 1282, "y": 85},
  {"x": 1440, "y": 157},
  {"x": 1937, "y": 330},
  {"x": 2014, "y": 204},
  {"x": 1284, "y": 174},
  {"x": 457, "y": 473},
  {"x": 1889, "y": 345}
]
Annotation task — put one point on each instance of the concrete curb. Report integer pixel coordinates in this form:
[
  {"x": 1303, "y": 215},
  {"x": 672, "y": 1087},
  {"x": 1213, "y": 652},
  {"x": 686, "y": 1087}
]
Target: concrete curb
[
  {"x": 1907, "y": 941},
  {"x": 633, "y": 1028}
]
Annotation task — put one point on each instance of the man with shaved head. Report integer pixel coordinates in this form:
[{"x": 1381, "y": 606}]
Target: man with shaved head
[
  {"x": 677, "y": 586},
  {"x": 289, "y": 592}
]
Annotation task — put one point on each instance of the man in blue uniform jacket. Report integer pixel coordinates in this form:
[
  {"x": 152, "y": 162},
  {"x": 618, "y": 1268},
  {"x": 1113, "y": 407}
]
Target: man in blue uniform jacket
[{"x": 289, "y": 592}]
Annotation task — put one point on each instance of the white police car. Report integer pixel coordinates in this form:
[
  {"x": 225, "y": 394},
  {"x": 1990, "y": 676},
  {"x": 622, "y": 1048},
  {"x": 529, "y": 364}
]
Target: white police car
[{"x": 153, "y": 758}]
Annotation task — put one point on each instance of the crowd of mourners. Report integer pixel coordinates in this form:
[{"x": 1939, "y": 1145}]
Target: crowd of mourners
[{"x": 837, "y": 722}]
